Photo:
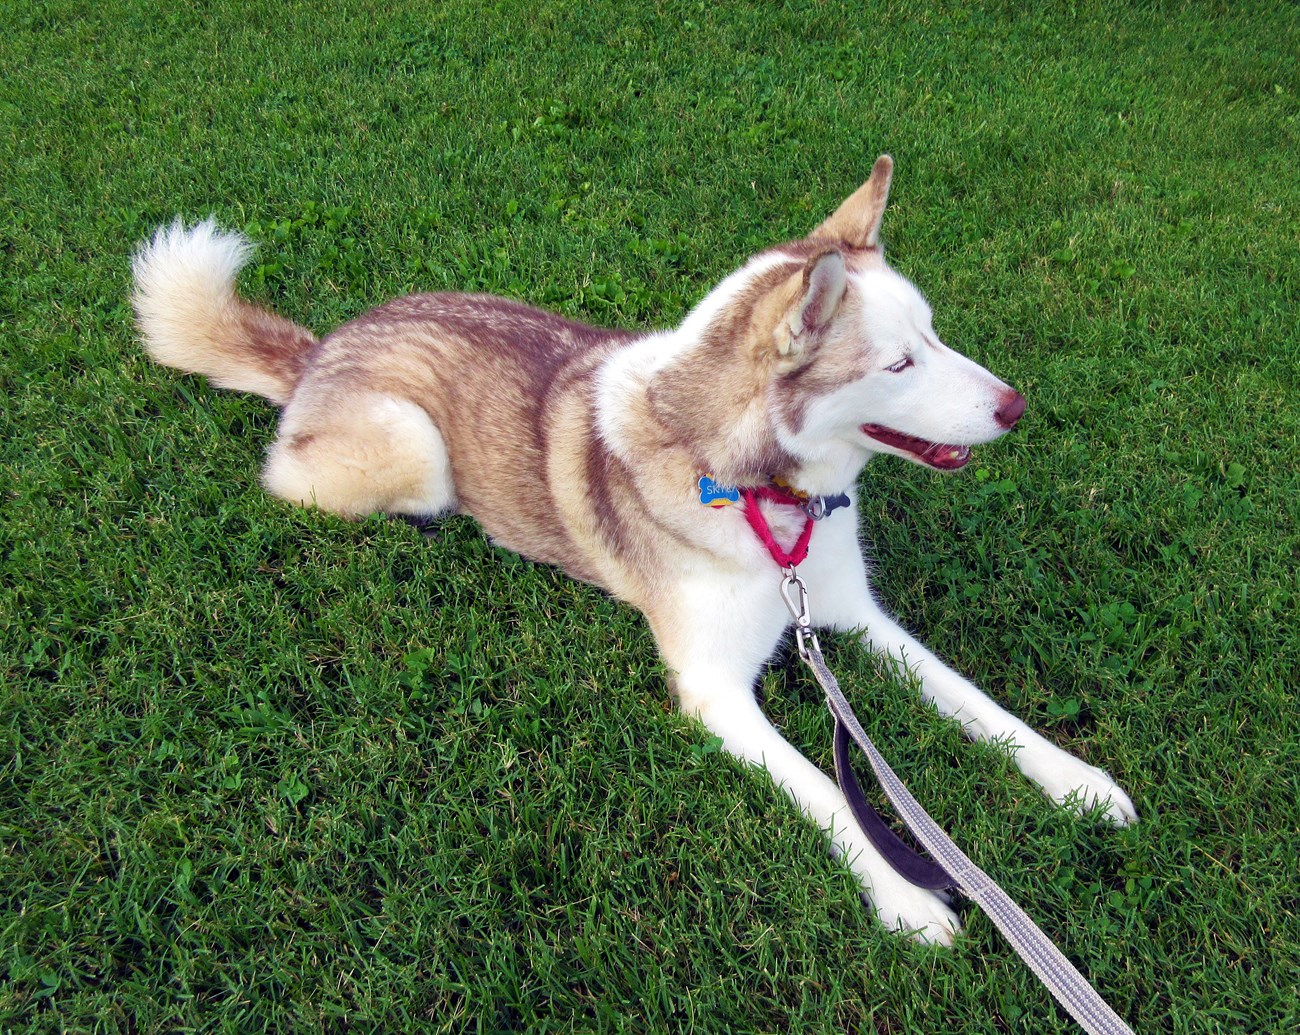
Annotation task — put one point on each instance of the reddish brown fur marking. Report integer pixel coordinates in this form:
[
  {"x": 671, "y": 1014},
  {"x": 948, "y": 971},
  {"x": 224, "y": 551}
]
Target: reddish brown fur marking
[
  {"x": 487, "y": 322},
  {"x": 856, "y": 260},
  {"x": 280, "y": 347},
  {"x": 698, "y": 403},
  {"x": 827, "y": 370}
]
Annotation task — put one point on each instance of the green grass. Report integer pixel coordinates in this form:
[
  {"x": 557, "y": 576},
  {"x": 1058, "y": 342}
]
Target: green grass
[{"x": 261, "y": 769}]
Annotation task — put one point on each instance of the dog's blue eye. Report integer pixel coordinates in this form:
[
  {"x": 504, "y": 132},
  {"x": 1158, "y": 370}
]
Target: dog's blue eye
[{"x": 900, "y": 366}]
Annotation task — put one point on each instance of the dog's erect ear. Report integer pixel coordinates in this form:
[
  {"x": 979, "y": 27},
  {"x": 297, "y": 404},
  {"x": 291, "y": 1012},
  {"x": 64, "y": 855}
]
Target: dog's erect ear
[
  {"x": 856, "y": 223},
  {"x": 818, "y": 300}
]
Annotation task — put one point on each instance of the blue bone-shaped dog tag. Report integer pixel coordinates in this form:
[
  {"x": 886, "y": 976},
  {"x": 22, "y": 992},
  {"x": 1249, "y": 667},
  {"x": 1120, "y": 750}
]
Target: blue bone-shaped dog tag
[{"x": 714, "y": 495}]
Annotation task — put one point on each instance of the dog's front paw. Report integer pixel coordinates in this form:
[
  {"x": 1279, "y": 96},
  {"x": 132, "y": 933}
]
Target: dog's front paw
[
  {"x": 1082, "y": 788},
  {"x": 921, "y": 915}
]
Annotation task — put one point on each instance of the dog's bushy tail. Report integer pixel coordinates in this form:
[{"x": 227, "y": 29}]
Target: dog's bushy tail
[{"x": 190, "y": 317}]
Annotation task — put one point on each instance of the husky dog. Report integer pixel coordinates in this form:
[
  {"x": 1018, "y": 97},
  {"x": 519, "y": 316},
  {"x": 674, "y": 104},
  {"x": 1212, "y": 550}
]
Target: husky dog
[{"x": 613, "y": 454}]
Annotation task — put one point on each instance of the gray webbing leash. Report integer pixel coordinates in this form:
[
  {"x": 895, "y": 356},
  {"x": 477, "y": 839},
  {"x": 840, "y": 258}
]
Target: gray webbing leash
[{"x": 1060, "y": 976}]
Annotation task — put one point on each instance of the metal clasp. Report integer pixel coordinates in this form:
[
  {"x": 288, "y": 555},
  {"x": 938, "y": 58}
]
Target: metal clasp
[
  {"x": 815, "y": 507},
  {"x": 795, "y": 594}
]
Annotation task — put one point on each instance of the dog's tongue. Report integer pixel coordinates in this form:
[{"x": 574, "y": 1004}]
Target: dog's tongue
[
  {"x": 949, "y": 458},
  {"x": 933, "y": 454}
]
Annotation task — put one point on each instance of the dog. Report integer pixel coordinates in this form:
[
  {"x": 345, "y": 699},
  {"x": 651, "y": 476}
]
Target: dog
[{"x": 622, "y": 458}]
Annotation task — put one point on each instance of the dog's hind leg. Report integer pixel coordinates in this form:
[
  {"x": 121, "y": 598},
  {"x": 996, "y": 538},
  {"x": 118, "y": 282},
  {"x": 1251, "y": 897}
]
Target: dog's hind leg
[
  {"x": 842, "y": 599},
  {"x": 715, "y": 645},
  {"x": 359, "y": 454}
]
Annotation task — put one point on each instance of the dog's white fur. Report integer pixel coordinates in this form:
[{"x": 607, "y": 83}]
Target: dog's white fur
[{"x": 443, "y": 402}]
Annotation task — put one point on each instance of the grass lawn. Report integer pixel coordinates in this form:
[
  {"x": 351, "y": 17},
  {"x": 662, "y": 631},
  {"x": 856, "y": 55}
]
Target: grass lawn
[{"x": 266, "y": 770}]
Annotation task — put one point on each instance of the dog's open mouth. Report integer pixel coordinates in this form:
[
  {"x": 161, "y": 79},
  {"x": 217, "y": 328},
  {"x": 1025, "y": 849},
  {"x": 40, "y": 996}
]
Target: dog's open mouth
[{"x": 932, "y": 454}]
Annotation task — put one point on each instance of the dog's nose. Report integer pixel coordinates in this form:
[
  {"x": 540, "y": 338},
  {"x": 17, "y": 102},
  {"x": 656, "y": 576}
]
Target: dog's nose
[{"x": 1013, "y": 405}]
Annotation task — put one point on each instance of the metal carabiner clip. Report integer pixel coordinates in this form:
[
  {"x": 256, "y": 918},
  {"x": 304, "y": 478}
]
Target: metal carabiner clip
[{"x": 795, "y": 594}]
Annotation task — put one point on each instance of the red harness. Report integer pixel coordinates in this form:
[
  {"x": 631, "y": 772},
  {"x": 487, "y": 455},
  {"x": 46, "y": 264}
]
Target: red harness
[{"x": 758, "y": 523}]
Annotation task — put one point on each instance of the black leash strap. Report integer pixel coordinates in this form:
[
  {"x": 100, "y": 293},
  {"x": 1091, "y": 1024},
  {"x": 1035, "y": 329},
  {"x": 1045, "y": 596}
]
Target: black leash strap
[{"x": 905, "y": 860}]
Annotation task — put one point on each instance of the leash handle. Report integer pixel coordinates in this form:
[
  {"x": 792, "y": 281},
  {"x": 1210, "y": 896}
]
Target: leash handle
[
  {"x": 1050, "y": 965},
  {"x": 906, "y": 861}
]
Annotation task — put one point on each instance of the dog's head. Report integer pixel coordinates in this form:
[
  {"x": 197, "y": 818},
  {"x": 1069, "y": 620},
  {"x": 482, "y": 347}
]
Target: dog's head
[
  {"x": 815, "y": 355},
  {"x": 859, "y": 367}
]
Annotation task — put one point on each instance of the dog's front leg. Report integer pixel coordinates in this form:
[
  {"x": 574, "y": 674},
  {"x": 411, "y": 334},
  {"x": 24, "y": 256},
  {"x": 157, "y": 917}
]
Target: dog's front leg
[
  {"x": 714, "y": 655},
  {"x": 1065, "y": 779},
  {"x": 841, "y": 599}
]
